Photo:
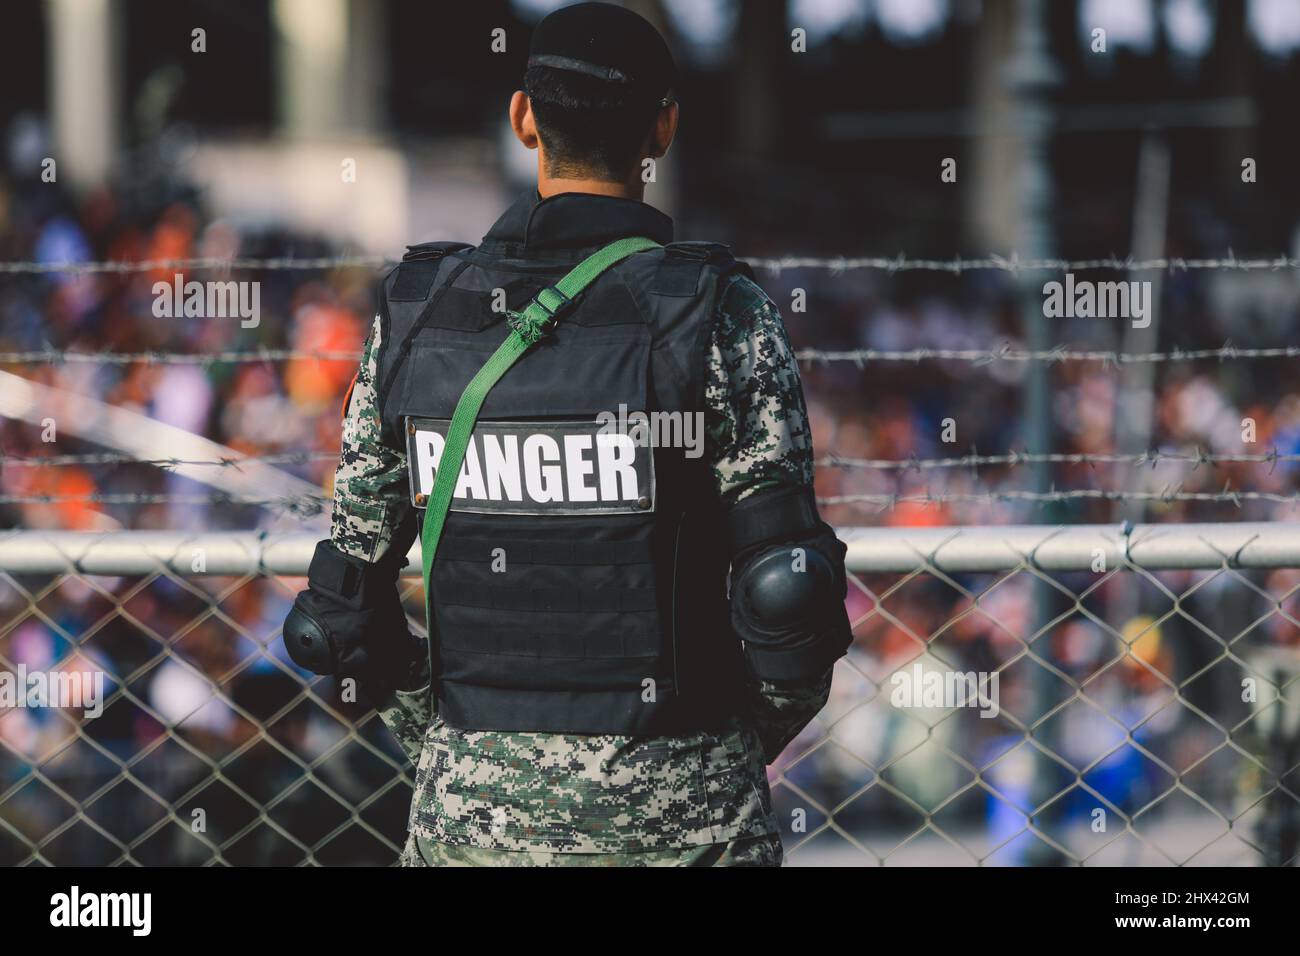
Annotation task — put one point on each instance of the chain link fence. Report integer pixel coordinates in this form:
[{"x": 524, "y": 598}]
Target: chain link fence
[{"x": 1015, "y": 695}]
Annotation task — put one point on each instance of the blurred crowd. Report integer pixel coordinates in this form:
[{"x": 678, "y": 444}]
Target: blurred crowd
[
  {"x": 1161, "y": 656},
  {"x": 199, "y": 666},
  {"x": 251, "y": 408},
  {"x": 947, "y": 409}
]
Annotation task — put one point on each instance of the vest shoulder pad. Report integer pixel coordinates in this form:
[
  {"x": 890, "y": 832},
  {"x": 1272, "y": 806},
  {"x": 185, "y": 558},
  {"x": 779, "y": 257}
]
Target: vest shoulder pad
[
  {"x": 414, "y": 275},
  {"x": 679, "y": 270}
]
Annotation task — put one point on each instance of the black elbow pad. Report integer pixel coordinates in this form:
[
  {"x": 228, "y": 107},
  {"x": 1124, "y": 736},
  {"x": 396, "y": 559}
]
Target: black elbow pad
[
  {"x": 349, "y": 621},
  {"x": 787, "y": 596},
  {"x": 307, "y": 639}
]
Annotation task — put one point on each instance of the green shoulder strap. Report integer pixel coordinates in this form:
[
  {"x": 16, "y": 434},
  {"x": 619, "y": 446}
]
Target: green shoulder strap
[{"x": 527, "y": 327}]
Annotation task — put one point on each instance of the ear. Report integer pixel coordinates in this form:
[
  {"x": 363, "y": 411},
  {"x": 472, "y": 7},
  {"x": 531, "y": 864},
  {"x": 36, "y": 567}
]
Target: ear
[
  {"x": 664, "y": 131},
  {"x": 521, "y": 119}
]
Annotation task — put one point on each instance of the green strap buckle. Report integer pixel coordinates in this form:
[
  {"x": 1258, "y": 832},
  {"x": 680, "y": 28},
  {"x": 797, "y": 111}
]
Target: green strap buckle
[
  {"x": 538, "y": 318},
  {"x": 558, "y": 301}
]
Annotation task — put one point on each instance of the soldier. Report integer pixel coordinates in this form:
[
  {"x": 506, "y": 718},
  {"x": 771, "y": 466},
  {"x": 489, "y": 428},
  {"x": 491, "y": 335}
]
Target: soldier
[{"x": 591, "y": 693}]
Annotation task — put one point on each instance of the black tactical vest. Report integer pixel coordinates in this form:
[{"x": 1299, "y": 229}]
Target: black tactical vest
[{"x": 580, "y": 583}]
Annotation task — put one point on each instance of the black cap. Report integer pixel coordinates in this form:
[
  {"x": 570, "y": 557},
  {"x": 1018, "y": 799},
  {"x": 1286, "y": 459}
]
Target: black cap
[{"x": 606, "y": 42}]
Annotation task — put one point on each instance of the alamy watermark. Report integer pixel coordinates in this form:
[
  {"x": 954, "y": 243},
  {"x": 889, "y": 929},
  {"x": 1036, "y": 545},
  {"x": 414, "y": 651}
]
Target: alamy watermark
[
  {"x": 73, "y": 689},
  {"x": 918, "y": 687},
  {"x": 1085, "y": 299},
  {"x": 133, "y": 911},
  {"x": 657, "y": 429},
  {"x": 209, "y": 300}
]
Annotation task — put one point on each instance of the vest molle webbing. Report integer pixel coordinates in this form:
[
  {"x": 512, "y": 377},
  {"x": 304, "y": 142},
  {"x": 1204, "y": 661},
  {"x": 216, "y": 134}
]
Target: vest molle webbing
[{"x": 579, "y": 584}]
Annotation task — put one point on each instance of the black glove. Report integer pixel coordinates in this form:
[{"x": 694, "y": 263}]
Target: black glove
[
  {"x": 350, "y": 622},
  {"x": 787, "y": 605}
]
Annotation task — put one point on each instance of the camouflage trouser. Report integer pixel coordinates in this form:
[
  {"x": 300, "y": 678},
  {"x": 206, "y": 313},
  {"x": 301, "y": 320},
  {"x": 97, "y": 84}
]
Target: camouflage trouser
[{"x": 751, "y": 851}]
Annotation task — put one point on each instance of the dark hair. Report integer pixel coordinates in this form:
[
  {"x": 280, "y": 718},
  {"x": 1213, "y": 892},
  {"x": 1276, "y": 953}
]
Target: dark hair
[{"x": 588, "y": 125}]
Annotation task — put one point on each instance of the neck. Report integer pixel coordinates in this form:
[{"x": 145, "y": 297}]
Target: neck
[{"x": 548, "y": 186}]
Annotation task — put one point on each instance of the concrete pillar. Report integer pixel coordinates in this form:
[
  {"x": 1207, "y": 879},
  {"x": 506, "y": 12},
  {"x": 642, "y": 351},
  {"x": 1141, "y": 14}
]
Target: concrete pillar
[
  {"x": 367, "y": 65},
  {"x": 329, "y": 66},
  {"x": 85, "y": 76},
  {"x": 990, "y": 194},
  {"x": 312, "y": 95}
]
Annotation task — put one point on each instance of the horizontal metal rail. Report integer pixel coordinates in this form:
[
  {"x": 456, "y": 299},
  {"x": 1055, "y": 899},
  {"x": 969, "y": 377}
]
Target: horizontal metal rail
[{"x": 951, "y": 549}]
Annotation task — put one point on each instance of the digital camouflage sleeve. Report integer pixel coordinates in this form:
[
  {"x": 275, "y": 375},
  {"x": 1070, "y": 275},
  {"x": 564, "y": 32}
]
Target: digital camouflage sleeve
[
  {"x": 372, "y": 516},
  {"x": 759, "y": 435},
  {"x": 564, "y": 794}
]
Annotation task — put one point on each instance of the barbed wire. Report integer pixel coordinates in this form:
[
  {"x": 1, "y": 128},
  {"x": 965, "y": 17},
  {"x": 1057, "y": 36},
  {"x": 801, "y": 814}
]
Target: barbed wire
[
  {"x": 117, "y": 458},
  {"x": 1059, "y": 353},
  {"x": 53, "y": 356},
  {"x": 885, "y": 502},
  {"x": 900, "y": 263},
  {"x": 305, "y": 505},
  {"x": 835, "y": 264},
  {"x": 1014, "y": 459},
  {"x": 125, "y": 267},
  {"x": 1014, "y": 263},
  {"x": 860, "y": 357},
  {"x": 315, "y": 504}
]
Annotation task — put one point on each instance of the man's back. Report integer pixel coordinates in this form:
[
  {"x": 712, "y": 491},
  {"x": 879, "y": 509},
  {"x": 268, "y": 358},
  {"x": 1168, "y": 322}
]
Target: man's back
[{"x": 590, "y": 687}]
